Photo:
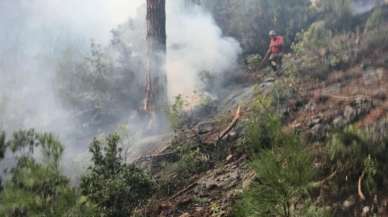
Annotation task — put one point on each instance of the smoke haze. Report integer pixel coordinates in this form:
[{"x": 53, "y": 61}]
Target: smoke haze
[
  {"x": 195, "y": 44},
  {"x": 35, "y": 33}
]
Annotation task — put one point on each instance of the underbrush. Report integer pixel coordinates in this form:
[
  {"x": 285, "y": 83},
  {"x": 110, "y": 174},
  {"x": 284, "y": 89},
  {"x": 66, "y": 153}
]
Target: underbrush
[
  {"x": 358, "y": 155},
  {"x": 351, "y": 163},
  {"x": 283, "y": 166},
  {"x": 176, "y": 175},
  {"x": 321, "y": 49}
]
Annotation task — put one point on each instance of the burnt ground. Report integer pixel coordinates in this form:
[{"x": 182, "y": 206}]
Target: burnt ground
[{"x": 356, "y": 95}]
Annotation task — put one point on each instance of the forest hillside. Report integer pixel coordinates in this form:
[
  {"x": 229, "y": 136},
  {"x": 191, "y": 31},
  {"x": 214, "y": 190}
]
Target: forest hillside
[{"x": 236, "y": 137}]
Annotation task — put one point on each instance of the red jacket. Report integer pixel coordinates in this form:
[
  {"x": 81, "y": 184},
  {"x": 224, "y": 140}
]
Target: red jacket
[{"x": 276, "y": 44}]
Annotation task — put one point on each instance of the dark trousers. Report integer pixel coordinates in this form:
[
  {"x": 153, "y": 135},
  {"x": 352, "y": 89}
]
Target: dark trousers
[{"x": 275, "y": 60}]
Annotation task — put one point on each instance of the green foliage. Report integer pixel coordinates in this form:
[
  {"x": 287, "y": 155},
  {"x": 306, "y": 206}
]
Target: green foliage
[
  {"x": 283, "y": 167},
  {"x": 337, "y": 14},
  {"x": 177, "y": 174},
  {"x": 101, "y": 85},
  {"x": 216, "y": 210},
  {"x": 249, "y": 21},
  {"x": 375, "y": 40},
  {"x": 375, "y": 20},
  {"x": 176, "y": 113},
  {"x": 263, "y": 129},
  {"x": 191, "y": 162},
  {"x": 261, "y": 132},
  {"x": 320, "y": 51},
  {"x": 354, "y": 151},
  {"x": 26, "y": 140},
  {"x": 39, "y": 189},
  {"x": 311, "y": 49},
  {"x": 316, "y": 36},
  {"x": 284, "y": 174},
  {"x": 93, "y": 81},
  {"x": 370, "y": 168},
  {"x": 117, "y": 188}
]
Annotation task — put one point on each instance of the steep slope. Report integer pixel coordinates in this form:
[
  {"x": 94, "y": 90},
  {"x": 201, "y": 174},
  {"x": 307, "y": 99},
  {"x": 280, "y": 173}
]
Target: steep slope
[{"x": 335, "y": 103}]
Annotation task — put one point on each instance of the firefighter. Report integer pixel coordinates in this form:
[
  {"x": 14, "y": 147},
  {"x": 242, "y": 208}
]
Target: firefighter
[{"x": 275, "y": 51}]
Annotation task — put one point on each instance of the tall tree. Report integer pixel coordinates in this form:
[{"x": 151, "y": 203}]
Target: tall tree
[{"x": 156, "y": 79}]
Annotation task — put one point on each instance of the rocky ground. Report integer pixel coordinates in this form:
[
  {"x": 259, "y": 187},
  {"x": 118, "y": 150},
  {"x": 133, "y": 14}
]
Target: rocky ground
[{"x": 357, "y": 95}]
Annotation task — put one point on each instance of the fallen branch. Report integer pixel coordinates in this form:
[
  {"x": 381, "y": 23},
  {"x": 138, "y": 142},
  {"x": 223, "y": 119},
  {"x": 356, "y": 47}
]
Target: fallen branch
[
  {"x": 323, "y": 181},
  {"x": 231, "y": 125},
  {"x": 360, "y": 193},
  {"x": 183, "y": 190}
]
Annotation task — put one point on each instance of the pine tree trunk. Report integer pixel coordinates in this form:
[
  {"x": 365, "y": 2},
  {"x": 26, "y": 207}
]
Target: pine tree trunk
[{"x": 156, "y": 78}]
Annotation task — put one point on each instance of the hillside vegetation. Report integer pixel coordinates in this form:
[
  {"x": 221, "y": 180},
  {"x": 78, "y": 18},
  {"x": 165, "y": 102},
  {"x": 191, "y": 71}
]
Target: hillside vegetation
[{"x": 308, "y": 141}]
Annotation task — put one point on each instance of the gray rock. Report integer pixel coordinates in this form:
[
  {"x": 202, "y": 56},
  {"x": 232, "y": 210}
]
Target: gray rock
[
  {"x": 319, "y": 131},
  {"x": 205, "y": 127},
  {"x": 339, "y": 122},
  {"x": 365, "y": 211},
  {"x": 349, "y": 202},
  {"x": 349, "y": 114}
]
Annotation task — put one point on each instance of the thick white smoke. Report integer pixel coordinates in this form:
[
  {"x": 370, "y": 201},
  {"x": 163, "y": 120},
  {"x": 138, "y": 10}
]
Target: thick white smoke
[
  {"x": 32, "y": 38},
  {"x": 34, "y": 34},
  {"x": 195, "y": 44}
]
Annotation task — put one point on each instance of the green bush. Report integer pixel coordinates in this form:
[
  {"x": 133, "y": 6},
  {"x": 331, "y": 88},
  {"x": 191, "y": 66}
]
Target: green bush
[
  {"x": 175, "y": 113},
  {"x": 375, "y": 40},
  {"x": 320, "y": 51},
  {"x": 177, "y": 174},
  {"x": 375, "y": 20},
  {"x": 262, "y": 130},
  {"x": 249, "y": 21},
  {"x": 311, "y": 49},
  {"x": 117, "y": 188},
  {"x": 284, "y": 174},
  {"x": 283, "y": 166},
  {"x": 36, "y": 187},
  {"x": 337, "y": 14},
  {"x": 355, "y": 151}
]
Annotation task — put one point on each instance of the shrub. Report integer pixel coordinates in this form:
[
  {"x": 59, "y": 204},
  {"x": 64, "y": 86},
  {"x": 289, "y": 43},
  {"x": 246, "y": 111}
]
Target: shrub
[
  {"x": 320, "y": 51},
  {"x": 177, "y": 174},
  {"x": 261, "y": 132},
  {"x": 354, "y": 151},
  {"x": 262, "y": 129},
  {"x": 283, "y": 175},
  {"x": 39, "y": 189},
  {"x": 337, "y": 14},
  {"x": 175, "y": 113},
  {"x": 375, "y": 20},
  {"x": 374, "y": 40},
  {"x": 249, "y": 21},
  {"x": 117, "y": 188},
  {"x": 311, "y": 48}
]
